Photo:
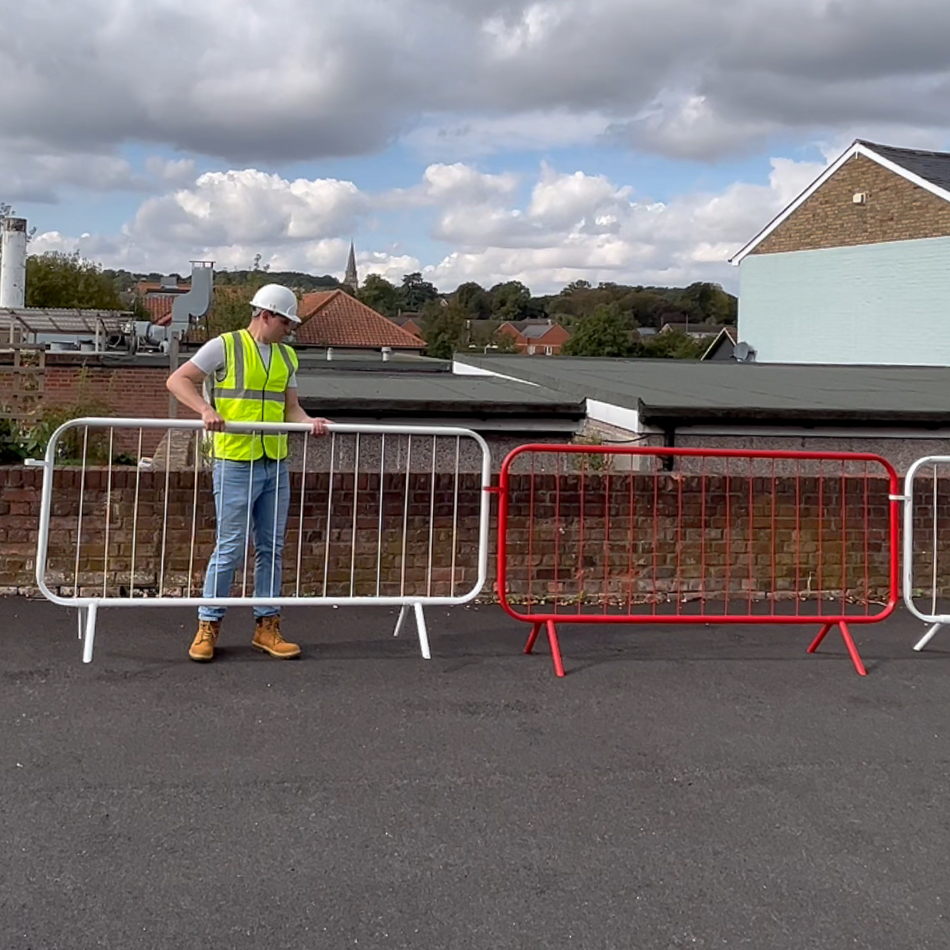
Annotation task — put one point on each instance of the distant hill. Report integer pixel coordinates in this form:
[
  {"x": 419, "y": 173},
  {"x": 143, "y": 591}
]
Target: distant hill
[{"x": 125, "y": 280}]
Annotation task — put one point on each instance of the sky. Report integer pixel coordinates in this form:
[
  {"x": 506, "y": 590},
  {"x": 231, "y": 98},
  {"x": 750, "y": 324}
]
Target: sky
[{"x": 633, "y": 141}]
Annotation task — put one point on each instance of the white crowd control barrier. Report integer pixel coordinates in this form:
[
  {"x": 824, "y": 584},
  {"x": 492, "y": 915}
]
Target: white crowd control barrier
[
  {"x": 378, "y": 515},
  {"x": 926, "y": 555}
]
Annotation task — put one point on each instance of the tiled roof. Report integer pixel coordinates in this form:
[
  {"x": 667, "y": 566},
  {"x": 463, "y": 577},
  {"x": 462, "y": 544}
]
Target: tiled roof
[
  {"x": 931, "y": 166},
  {"x": 536, "y": 331},
  {"x": 159, "y": 307},
  {"x": 334, "y": 318}
]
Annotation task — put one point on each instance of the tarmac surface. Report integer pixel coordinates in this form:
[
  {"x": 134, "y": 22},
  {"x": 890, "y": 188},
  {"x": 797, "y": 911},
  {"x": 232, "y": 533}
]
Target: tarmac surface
[{"x": 691, "y": 787}]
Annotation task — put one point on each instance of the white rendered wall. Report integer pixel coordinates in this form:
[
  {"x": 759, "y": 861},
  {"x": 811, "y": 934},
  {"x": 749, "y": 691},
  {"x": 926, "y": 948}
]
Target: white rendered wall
[{"x": 875, "y": 303}]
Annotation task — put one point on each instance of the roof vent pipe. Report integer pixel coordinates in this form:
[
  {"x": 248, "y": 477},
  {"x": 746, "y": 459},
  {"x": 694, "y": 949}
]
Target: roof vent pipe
[{"x": 13, "y": 263}]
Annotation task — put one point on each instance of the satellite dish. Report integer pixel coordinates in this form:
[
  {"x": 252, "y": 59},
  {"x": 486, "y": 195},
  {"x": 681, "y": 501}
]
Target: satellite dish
[{"x": 742, "y": 352}]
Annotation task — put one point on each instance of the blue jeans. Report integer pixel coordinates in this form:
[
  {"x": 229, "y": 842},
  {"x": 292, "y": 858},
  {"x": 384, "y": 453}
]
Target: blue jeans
[{"x": 260, "y": 489}]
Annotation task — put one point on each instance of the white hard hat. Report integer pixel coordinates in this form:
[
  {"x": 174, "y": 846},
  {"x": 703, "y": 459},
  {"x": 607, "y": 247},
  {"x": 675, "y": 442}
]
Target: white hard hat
[{"x": 277, "y": 299}]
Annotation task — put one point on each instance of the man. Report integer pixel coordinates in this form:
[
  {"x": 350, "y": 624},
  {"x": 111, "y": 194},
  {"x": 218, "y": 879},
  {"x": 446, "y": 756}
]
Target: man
[{"x": 254, "y": 380}]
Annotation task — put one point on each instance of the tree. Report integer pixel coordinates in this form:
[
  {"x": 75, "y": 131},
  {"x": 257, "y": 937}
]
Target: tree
[
  {"x": 474, "y": 300},
  {"x": 231, "y": 309},
  {"x": 416, "y": 292},
  {"x": 511, "y": 301},
  {"x": 675, "y": 345},
  {"x": 503, "y": 343},
  {"x": 58, "y": 280},
  {"x": 444, "y": 326},
  {"x": 380, "y": 294},
  {"x": 603, "y": 333}
]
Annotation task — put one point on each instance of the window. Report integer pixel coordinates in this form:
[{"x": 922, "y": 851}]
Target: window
[
  {"x": 549, "y": 351},
  {"x": 531, "y": 349}
]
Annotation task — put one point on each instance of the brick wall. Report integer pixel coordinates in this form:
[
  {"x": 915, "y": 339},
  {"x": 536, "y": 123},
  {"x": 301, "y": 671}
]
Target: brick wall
[
  {"x": 138, "y": 392},
  {"x": 896, "y": 210},
  {"x": 679, "y": 543}
]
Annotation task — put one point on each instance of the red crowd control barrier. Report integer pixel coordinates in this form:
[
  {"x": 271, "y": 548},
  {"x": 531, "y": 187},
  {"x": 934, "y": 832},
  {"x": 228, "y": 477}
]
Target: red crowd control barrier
[{"x": 610, "y": 534}]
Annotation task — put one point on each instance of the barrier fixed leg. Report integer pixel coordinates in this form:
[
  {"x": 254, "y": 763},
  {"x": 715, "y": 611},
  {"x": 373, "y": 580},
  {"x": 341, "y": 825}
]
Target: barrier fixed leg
[
  {"x": 552, "y": 640},
  {"x": 848, "y": 642},
  {"x": 420, "y": 627},
  {"x": 927, "y": 637},
  {"x": 89, "y": 638}
]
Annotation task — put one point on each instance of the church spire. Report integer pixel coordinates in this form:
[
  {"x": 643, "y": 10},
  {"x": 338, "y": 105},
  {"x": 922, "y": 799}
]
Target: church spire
[{"x": 351, "y": 279}]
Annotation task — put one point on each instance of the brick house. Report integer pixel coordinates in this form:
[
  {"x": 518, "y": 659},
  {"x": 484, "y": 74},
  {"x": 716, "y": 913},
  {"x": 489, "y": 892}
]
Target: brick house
[
  {"x": 157, "y": 297},
  {"x": 411, "y": 322},
  {"x": 335, "y": 320},
  {"x": 864, "y": 247},
  {"x": 536, "y": 337}
]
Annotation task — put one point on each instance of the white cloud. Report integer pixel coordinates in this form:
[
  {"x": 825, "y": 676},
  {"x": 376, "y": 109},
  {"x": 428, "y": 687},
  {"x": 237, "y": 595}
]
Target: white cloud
[
  {"x": 573, "y": 225},
  {"x": 250, "y": 206}
]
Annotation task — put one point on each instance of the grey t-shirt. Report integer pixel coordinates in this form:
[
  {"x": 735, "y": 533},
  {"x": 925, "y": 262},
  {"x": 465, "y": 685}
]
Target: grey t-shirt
[{"x": 210, "y": 358}]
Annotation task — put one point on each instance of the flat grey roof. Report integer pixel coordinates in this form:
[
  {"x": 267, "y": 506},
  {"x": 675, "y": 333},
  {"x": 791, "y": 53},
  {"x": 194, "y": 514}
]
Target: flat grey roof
[
  {"x": 680, "y": 390},
  {"x": 434, "y": 393}
]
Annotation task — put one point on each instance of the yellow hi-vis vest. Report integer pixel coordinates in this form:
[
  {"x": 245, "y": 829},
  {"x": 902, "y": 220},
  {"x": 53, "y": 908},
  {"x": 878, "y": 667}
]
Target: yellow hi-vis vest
[{"x": 250, "y": 392}]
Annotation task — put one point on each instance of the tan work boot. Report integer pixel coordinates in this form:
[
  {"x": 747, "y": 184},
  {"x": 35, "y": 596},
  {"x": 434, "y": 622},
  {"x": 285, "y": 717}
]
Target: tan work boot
[
  {"x": 202, "y": 647},
  {"x": 267, "y": 639}
]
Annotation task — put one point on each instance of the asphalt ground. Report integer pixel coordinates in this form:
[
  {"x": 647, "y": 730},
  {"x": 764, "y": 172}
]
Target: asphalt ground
[{"x": 682, "y": 787}]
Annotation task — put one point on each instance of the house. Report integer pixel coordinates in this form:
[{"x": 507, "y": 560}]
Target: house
[
  {"x": 723, "y": 347},
  {"x": 411, "y": 322},
  {"x": 173, "y": 285},
  {"x": 864, "y": 246},
  {"x": 338, "y": 322},
  {"x": 157, "y": 297},
  {"x": 536, "y": 337},
  {"x": 695, "y": 331}
]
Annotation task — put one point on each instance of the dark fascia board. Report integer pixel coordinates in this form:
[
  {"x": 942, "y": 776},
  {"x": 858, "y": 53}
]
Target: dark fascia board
[
  {"x": 677, "y": 416},
  {"x": 443, "y": 409}
]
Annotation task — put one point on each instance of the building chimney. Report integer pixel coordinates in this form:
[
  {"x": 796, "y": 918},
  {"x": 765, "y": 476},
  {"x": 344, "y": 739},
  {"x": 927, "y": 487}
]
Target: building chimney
[{"x": 13, "y": 263}]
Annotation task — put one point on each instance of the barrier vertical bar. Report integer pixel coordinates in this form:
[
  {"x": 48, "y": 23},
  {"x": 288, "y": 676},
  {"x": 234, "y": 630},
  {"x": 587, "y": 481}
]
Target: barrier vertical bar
[
  {"x": 379, "y": 527},
  {"x": 105, "y": 547},
  {"x": 798, "y": 536},
  {"x": 405, "y": 517},
  {"x": 774, "y": 596},
  {"x": 656, "y": 535},
  {"x": 303, "y": 494},
  {"x": 821, "y": 534},
  {"x": 455, "y": 511},
  {"x": 728, "y": 597},
  {"x": 82, "y": 503},
  {"x": 579, "y": 567},
  {"x": 168, "y": 471},
  {"x": 431, "y": 522},
  {"x": 329, "y": 523},
  {"x": 750, "y": 539},
  {"x": 356, "y": 492},
  {"x": 194, "y": 516}
]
